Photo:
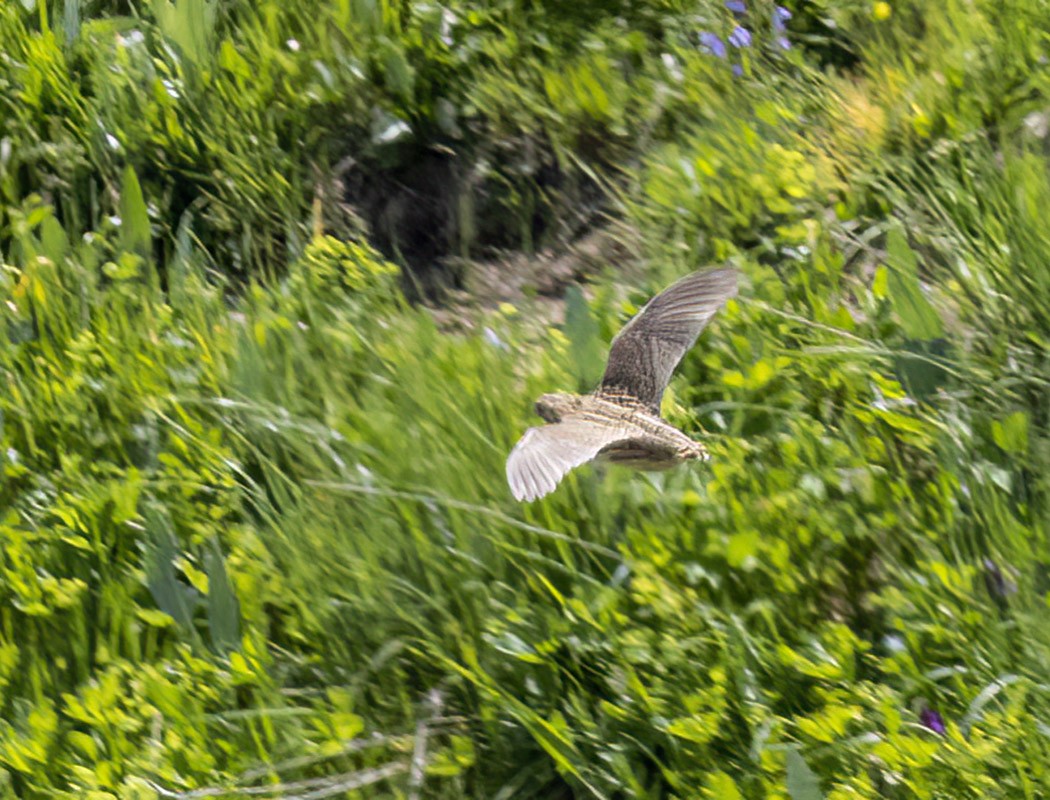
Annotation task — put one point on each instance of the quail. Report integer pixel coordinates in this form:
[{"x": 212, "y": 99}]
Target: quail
[{"x": 620, "y": 421}]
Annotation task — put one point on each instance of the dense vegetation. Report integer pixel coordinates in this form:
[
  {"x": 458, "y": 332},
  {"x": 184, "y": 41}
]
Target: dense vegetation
[{"x": 255, "y": 536}]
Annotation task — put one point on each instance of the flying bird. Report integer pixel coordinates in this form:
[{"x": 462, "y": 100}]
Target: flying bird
[{"x": 620, "y": 421}]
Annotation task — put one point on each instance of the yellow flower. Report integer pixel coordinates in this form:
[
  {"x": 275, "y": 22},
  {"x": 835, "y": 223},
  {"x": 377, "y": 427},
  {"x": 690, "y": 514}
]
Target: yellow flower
[{"x": 881, "y": 11}]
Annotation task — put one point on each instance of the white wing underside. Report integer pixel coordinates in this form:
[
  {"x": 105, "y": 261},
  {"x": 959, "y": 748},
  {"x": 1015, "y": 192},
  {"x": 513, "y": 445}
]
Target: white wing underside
[{"x": 544, "y": 455}]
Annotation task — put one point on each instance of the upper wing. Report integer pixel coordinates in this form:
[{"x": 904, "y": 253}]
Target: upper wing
[
  {"x": 646, "y": 351},
  {"x": 544, "y": 455}
]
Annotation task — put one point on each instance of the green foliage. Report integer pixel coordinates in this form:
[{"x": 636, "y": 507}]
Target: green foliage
[
  {"x": 918, "y": 316},
  {"x": 255, "y": 535}
]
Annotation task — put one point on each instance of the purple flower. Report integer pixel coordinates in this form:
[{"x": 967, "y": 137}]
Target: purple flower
[
  {"x": 738, "y": 70},
  {"x": 740, "y": 37},
  {"x": 736, "y": 6},
  {"x": 933, "y": 720},
  {"x": 711, "y": 43},
  {"x": 783, "y": 43},
  {"x": 780, "y": 16}
]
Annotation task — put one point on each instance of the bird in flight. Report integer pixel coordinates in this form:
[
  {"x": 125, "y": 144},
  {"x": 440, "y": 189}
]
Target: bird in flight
[{"x": 620, "y": 421}]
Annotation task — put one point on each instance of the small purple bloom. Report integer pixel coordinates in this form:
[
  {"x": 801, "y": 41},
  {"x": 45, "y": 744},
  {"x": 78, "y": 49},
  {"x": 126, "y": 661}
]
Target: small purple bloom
[
  {"x": 780, "y": 17},
  {"x": 933, "y": 720},
  {"x": 738, "y": 70},
  {"x": 736, "y": 6},
  {"x": 711, "y": 43},
  {"x": 783, "y": 43},
  {"x": 740, "y": 37}
]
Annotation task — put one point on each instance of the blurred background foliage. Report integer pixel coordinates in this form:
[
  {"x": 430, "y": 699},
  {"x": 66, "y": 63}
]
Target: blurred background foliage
[{"x": 281, "y": 280}]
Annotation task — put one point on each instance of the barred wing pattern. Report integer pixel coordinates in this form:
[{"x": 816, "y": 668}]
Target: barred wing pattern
[
  {"x": 646, "y": 351},
  {"x": 544, "y": 455}
]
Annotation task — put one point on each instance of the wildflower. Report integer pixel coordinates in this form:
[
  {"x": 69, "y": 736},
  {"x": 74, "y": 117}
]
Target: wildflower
[
  {"x": 933, "y": 720},
  {"x": 740, "y": 37},
  {"x": 1037, "y": 124},
  {"x": 736, "y": 6},
  {"x": 672, "y": 66},
  {"x": 712, "y": 43},
  {"x": 881, "y": 11},
  {"x": 738, "y": 70},
  {"x": 894, "y": 643},
  {"x": 493, "y": 339},
  {"x": 780, "y": 17},
  {"x": 448, "y": 20}
]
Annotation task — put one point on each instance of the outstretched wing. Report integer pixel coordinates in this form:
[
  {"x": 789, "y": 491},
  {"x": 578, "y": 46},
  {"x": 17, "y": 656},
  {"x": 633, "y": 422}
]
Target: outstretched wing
[
  {"x": 646, "y": 351},
  {"x": 544, "y": 455}
]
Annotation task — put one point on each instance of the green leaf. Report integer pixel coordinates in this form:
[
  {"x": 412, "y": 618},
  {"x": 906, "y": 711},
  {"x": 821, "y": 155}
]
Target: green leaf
[
  {"x": 722, "y": 786},
  {"x": 232, "y": 61},
  {"x": 699, "y": 728},
  {"x": 918, "y": 316},
  {"x": 399, "y": 75},
  {"x": 190, "y": 24},
  {"x": 134, "y": 217},
  {"x": 585, "y": 346},
  {"x": 173, "y": 597},
  {"x": 802, "y": 783},
  {"x": 223, "y": 612},
  {"x": 1011, "y": 434},
  {"x": 53, "y": 239},
  {"x": 71, "y": 20}
]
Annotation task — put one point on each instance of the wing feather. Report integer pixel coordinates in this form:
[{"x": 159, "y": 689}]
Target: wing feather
[
  {"x": 545, "y": 454},
  {"x": 646, "y": 351}
]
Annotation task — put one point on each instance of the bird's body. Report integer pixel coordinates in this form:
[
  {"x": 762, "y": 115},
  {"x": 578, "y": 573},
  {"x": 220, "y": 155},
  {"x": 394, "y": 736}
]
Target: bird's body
[
  {"x": 651, "y": 442},
  {"x": 620, "y": 422}
]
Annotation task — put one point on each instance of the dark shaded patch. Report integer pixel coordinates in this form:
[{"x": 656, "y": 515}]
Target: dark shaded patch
[{"x": 432, "y": 209}]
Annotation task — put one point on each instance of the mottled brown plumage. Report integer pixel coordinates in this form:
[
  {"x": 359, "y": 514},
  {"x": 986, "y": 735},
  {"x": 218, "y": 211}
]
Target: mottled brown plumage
[{"x": 620, "y": 422}]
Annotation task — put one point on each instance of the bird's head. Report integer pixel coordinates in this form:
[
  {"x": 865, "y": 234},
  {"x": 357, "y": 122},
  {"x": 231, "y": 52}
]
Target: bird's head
[{"x": 552, "y": 407}]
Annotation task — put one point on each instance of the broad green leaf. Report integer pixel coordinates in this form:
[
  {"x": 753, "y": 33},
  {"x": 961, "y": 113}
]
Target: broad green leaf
[
  {"x": 585, "y": 347},
  {"x": 223, "y": 611},
  {"x": 919, "y": 366},
  {"x": 173, "y": 597},
  {"x": 53, "y": 240},
  {"x": 399, "y": 75},
  {"x": 721, "y": 786},
  {"x": 134, "y": 218},
  {"x": 802, "y": 783},
  {"x": 699, "y": 728},
  {"x": 232, "y": 61},
  {"x": 1011, "y": 433},
  {"x": 71, "y": 20},
  {"x": 190, "y": 24},
  {"x": 918, "y": 316}
]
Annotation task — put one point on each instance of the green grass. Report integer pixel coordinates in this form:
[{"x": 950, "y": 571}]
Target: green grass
[{"x": 254, "y": 529}]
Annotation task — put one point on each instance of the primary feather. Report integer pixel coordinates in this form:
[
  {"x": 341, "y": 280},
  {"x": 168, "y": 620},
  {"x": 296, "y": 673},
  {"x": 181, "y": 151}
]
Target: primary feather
[
  {"x": 646, "y": 351},
  {"x": 544, "y": 455}
]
